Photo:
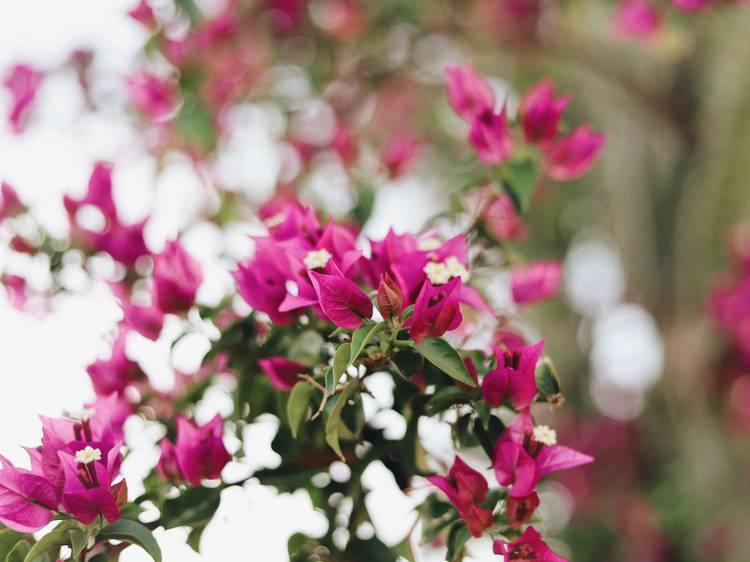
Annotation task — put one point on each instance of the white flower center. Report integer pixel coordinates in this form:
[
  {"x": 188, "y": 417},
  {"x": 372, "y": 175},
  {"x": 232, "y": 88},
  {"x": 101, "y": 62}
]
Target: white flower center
[
  {"x": 456, "y": 268},
  {"x": 317, "y": 258},
  {"x": 439, "y": 273},
  {"x": 84, "y": 415},
  {"x": 88, "y": 454},
  {"x": 275, "y": 220},
  {"x": 544, "y": 435},
  {"x": 429, "y": 244}
]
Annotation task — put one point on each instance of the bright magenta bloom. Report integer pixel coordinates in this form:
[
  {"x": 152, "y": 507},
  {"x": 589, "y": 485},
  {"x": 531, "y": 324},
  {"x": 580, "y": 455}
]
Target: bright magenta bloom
[
  {"x": 535, "y": 281},
  {"x": 23, "y": 83},
  {"x": 572, "y": 156},
  {"x": 540, "y": 112},
  {"x": 116, "y": 373},
  {"x": 529, "y": 546},
  {"x": 525, "y": 453},
  {"x": 436, "y": 310},
  {"x": 152, "y": 95},
  {"x": 198, "y": 454},
  {"x": 27, "y": 500},
  {"x": 513, "y": 378},
  {"x": 88, "y": 490},
  {"x": 344, "y": 303},
  {"x": 637, "y": 18},
  {"x": 491, "y": 137},
  {"x": 466, "y": 489},
  {"x": 468, "y": 92},
  {"x": 177, "y": 276},
  {"x": 284, "y": 373}
]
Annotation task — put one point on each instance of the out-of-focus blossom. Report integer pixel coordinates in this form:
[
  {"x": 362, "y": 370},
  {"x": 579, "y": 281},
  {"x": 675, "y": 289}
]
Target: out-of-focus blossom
[
  {"x": 513, "y": 378},
  {"x": 344, "y": 303},
  {"x": 10, "y": 203},
  {"x": 535, "y": 281},
  {"x": 529, "y": 546},
  {"x": 398, "y": 156},
  {"x": 503, "y": 220},
  {"x": 177, "y": 276},
  {"x": 23, "y": 82},
  {"x": 116, "y": 373},
  {"x": 638, "y": 19},
  {"x": 491, "y": 137},
  {"x": 198, "y": 453},
  {"x": 142, "y": 13},
  {"x": 691, "y": 5},
  {"x": 152, "y": 95},
  {"x": 540, "y": 112},
  {"x": 469, "y": 94},
  {"x": 284, "y": 373},
  {"x": 16, "y": 289},
  {"x": 146, "y": 320},
  {"x": 572, "y": 156},
  {"x": 525, "y": 453},
  {"x": 466, "y": 489},
  {"x": 436, "y": 310}
]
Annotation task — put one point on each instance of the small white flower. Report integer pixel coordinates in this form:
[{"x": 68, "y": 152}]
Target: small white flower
[
  {"x": 429, "y": 244},
  {"x": 317, "y": 258},
  {"x": 275, "y": 220},
  {"x": 544, "y": 435},
  {"x": 84, "y": 415},
  {"x": 456, "y": 268},
  {"x": 88, "y": 454},
  {"x": 437, "y": 273}
]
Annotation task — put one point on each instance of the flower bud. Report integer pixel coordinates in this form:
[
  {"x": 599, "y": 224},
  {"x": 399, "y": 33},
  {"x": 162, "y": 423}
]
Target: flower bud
[{"x": 390, "y": 298}]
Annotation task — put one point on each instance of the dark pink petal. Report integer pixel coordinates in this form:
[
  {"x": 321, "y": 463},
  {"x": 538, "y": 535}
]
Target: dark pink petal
[
  {"x": 571, "y": 157},
  {"x": 514, "y": 467},
  {"x": 495, "y": 387},
  {"x": 559, "y": 457},
  {"x": 177, "y": 276},
  {"x": 27, "y": 499},
  {"x": 535, "y": 281},
  {"x": 540, "y": 112},
  {"x": 341, "y": 300},
  {"x": 284, "y": 373},
  {"x": 491, "y": 137},
  {"x": 468, "y": 92}
]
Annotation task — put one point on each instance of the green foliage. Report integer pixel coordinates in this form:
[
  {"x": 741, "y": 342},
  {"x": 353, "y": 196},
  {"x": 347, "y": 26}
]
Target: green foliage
[
  {"x": 134, "y": 533},
  {"x": 440, "y": 353}
]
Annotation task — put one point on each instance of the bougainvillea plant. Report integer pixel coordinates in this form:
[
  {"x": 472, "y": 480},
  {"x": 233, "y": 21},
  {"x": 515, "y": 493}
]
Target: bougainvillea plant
[{"x": 320, "y": 309}]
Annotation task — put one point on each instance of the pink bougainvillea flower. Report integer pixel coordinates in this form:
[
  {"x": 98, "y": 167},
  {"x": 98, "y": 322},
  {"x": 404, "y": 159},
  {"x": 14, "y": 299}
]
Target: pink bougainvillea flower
[
  {"x": 177, "y": 276},
  {"x": 142, "y": 13},
  {"x": 16, "y": 289},
  {"x": 525, "y": 453},
  {"x": 153, "y": 96},
  {"x": 27, "y": 500},
  {"x": 520, "y": 510},
  {"x": 89, "y": 489},
  {"x": 513, "y": 378},
  {"x": 284, "y": 373},
  {"x": 436, "y": 310},
  {"x": 10, "y": 204},
  {"x": 345, "y": 304},
  {"x": 540, "y": 112},
  {"x": 529, "y": 546},
  {"x": 638, "y": 19},
  {"x": 399, "y": 155},
  {"x": 502, "y": 219},
  {"x": 491, "y": 137},
  {"x": 535, "y": 281},
  {"x": 98, "y": 194},
  {"x": 572, "y": 156},
  {"x": 198, "y": 454},
  {"x": 466, "y": 490},
  {"x": 146, "y": 320},
  {"x": 23, "y": 83},
  {"x": 116, "y": 373},
  {"x": 469, "y": 94}
]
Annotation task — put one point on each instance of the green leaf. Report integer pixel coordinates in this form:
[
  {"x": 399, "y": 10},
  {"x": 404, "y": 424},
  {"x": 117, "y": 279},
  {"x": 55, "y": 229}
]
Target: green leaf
[
  {"x": 457, "y": 539},
  {"x": 488, "y": 433},
  {"x": 341, "y": 360},
  {"x": 547, "y": 382},
  {"x": 78, "y": 540},
  {"x": 306, "y": 347},
  {"x": 52, "y": 541},
  {"x": 407, "y": 313},
  {"x": 521, "y": 179},
  {"x": 362, "y": 336},
  {"x": 330, "y": 381},
  {"x": 194, "y": 538},
  {"x": 8, "y": 541},
  {"x": 296, "y": 406},
  {"x": 440, "y": 353},
  {"x": 19, "y": 552},
  {"x": 446, "y": 397},
  {"x": 134, "y": 533},
  {"x": 371, "y": 550},
  {"x": 194, "y": 507},
  {"x": 195, "y": 123},
  {"x": 333, "y": 425}
]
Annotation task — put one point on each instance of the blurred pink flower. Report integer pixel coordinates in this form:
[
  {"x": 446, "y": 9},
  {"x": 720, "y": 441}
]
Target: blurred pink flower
[
  {"x": 177, "y": 276},
  {"x": 529, "y": 546},
  {"x": 513, "y": 378},
  {"x": 10, "y": 204},
  {"x": 284, "y": 373},
  {"x": 23, "y": 82},
  {"x": 469, "y": 94},
  {"x": 152, "y": 95},
  {"x": 637, "y": 18},
  {"x": 491, "y": 137},
  {"x": 502, "y": 219},
  {"x": 535, "y": 281},
  {"x": 116, "y": 373},
  {"x": 540, "y": 112},
  {"x": 572, "y": 156},
  {"x": 399, "y": 155}
]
